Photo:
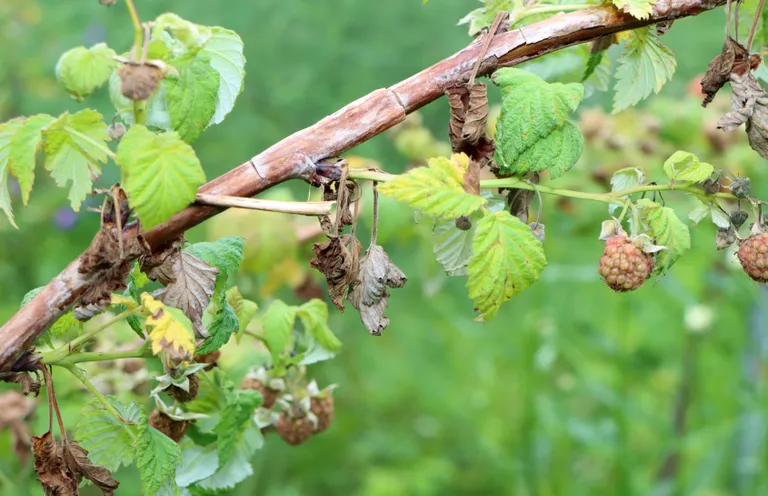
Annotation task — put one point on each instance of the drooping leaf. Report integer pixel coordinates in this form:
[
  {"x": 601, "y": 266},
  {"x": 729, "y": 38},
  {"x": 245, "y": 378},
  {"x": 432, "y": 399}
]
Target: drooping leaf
[
  {"x": 224, "y": 253},
  {"x": 239, "y": 408},
  {"x": 238, "y": 468},
  {"x": 108, "y": 440},
  {"x": 191, "y": 99},
  {"x": 197, "y": 463},
  {"x": 507, "y": 258},
  {"x": 74, "y": 145},
  {"x": 76, "y": 458},
  {"x": 628, "y": 177},
  {"x": 453, "y": 246},
  {"x": 51, "y": 470},
  {"x": 244, "y": 309},
  {"x": 23, "y": 148},
  {"x": 224, "y": 48},
  {"x": 643, "y": 68},
  {"x": 437, "y": 189},
  {"x": 157, "y": 457},
  {"x": 697, "y": 214},
  {"x": 81, "y": 70},
  {"x": 222, "y": 326},
  {"x": 667, "y": 230},
  {"x": 720, "y": 218},
  {"x": 685, "y": 166},
  {"x": 278, "y": 325},
  {"x": 171, "y": 330},
  {"x": 640, "y": 9},
  {"x": 161, "y": 173},
  {"x": 314, "y": 317}
]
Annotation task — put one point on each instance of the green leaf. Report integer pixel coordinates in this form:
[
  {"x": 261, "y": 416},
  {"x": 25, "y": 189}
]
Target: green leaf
[
  {"x": 23, "y": 149},
  {"x": 191, "y": 99},
  {"x": 197, "y": 463},
  {"x": 221, "y": 328},
  {"x": 74, "y": 145},
  {"x": 244, "y": 309},
  {"x": 698, "y": 213},
  {"x": 225, "y": 253},
  {"x": 64, "y": 324},
  {"x": 239, "y": 408},
  {"x": 238, "y": 468},
  {"x": 161, "y": 173},
  {"x": 644, "y": 67},
  {"x": 625, "y": 178},
  {"x": 81, "y": 70},
  {"x": 8, "y": 131},
  {"x": 437, "y": 189},
  {"x": 532, "y": 133},
  {"x": 190, "y": 35},
  {"x": 453, "y": 246},
  {"x": 314, "y": 318},
  {"x": 225, "y": 50},
  {"x": 108, "y": 440},
  {"x": 157, "y": 457},
  {"x": 506, "y": 259},
  {"x": 482, "y": 18},
  {"x": 667, "y": 230},
  {"x": 157, "y": 114},
  {"x": 639, "y": 9},
  {"x": 684, "y": 166},
  {"x": 575, "y": 64},
  {"x": 278, "y": 325},
  {"x": 557, "y": 153},
  {"x": 720, "y": 218}
]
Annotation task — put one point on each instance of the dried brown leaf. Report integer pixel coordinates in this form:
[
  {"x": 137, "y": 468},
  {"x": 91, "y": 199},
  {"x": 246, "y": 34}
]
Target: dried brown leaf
[
  {"x": 369, "y": 294},
  {"x": 343, "y": 206},
  {"x": 338, "y": 264},
  {"x": 159, "y": 265},
  {"x": 472, "y": 178},
  {"x": 51, "y": 470},
  {"x": 749, "y": 104},
  {"x": 468, "y": 124},
  {"x": 96, "y": 297},
  {"x": 76, "y": 458},
  {"x": 14, "y": 406},
  {"x": 720, "y": 69}
]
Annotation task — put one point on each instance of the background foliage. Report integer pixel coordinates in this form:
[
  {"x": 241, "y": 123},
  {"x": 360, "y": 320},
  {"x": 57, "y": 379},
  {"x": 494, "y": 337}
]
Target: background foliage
[{"x": 572, "y": 389}]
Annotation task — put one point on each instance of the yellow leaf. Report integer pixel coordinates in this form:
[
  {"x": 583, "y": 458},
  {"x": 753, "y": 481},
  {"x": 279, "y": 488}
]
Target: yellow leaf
[
  {"x": 172, "y": 330},
  {"x": 123, "y": 300}
]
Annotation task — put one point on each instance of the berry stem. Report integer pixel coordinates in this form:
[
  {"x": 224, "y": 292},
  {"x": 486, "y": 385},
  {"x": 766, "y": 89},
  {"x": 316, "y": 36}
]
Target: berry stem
[{"x": 137, "y": 31}]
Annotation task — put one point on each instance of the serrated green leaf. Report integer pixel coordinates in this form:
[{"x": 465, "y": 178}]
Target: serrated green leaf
[
  {"x": 7, "y": 132},
  {"x": 24, "y": 146},
  {"x": 190, "y": 35},
  {"x": 161, "y": 173},
  {"x": 684, "y": 166},
  {"x": 277, "y": 323},
  {"x": 239, "y": 408},
  {"x": 225, "y": 253},
  {"x": 225, "y": 50},
  {"x": 157, "y": 457},
  {"x": 557, "y": 153},
  {"x": 197, "y": 463},
  {"x": 244, "y": 309},
  {"x": 698, "y": 213},
  {"x": 436, "y": 189},
  {"x": 506, "y": 259},
  {"x": 625, "y": 178},
  {"x": 639, "y": 9},
  {"x": 667, "y": 230},
  {"x": 531, "y": 110},
  {"x": 221, "y": 327},
  {"x": 643, "y": 68},
  {"x": 238, "y": 468},
  {"x": 191, "y": 99},
  {"x": 81, "y": 70},
  {"x": 575, "y": 64},
  {"x": 453, "y": 246},
  {"x": 108, "y": 440},
  {"x": 74, "y": 145},
  {"x": 314, "y": 318}
]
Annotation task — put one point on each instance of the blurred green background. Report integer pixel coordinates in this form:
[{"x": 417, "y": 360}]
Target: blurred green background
[{"x": 572, "y": 389}]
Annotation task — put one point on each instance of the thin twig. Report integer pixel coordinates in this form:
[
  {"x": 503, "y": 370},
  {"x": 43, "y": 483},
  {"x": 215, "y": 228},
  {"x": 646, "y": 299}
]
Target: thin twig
[
  {"x": 375, "y": 227},
  {"x": 755, "y": 21},
  {"x": 486, "y": 43},
  {"x": 340, "y": 201},
  {"x": 288, "y": 207}
]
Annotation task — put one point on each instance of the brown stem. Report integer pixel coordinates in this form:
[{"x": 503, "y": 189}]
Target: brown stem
[
  {"x": 53, "y": 405},
  {"x": 375, "y": 228},
  {"x": 298, "y": 156},
  {"x": 486, "y": 43},
  {"x": 755, "y": 21}
]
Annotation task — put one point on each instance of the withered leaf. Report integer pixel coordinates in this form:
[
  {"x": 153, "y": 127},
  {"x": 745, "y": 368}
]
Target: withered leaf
[
  {"x": 14, "y": 406},
  {"x": 750, "y": 106},
  {"x": 338, "y": 264},
  {"x": 468, "y": 124},
  {"x": 21, "y": 373},
  {"x": 97, "y": 296},
  {"x": 369, "y": 293},
  {"x": 720, "y": 69},
  {"x": 519, "y": 200},
  {"x": 159, "y": 265},
  {"x": 76, "y": 458},
  {"x": 344, "y": 202},
  {"x": 51, "y": 470}
]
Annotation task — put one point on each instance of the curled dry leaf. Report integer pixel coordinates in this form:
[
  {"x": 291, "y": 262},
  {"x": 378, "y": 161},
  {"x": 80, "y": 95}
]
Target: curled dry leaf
[
  {"x": 21, "y": 373},
  {"x": 468, "y": 123},
  {"x": 331, "y": 193},
  {"x": 719, "y": 70},
  {"x": 369, "y": 293},
  {"x": 76, "y": 459},
  {"x": 189, "y": 282},
  {"x": 51, "y": 470},
  {"x": 339, "y": 265}
]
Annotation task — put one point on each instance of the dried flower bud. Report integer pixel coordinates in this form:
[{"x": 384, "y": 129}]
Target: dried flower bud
[{"x": 139, "y": 81}]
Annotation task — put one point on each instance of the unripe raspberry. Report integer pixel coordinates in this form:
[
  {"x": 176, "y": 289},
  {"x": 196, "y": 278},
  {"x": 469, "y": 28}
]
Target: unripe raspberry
[
  {"x": 185, "y": 396},
  {"x": 294, "y": 430},
  {"x": 753, "y": 255},
  {"x": 323, "y": 410},
  {"x": 624, "y": 266},
  {"x": 174, "y": 429},
  {"x": 268, "y": 394}
]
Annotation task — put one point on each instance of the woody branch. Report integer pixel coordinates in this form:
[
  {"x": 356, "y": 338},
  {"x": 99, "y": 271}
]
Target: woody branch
[{"x": 298, "y": 155}]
